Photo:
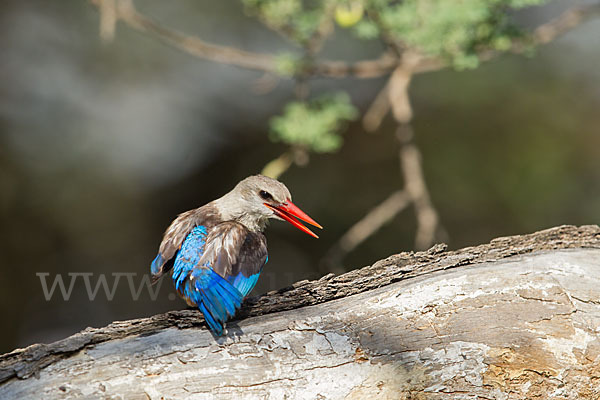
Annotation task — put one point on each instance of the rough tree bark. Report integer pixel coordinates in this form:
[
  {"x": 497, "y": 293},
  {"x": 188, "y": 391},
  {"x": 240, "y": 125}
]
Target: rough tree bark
[{"x": 516, "y": 318}]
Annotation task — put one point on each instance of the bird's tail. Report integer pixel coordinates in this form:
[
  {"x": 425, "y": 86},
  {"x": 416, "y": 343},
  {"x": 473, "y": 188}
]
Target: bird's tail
[{"x": 216, "y": 298}]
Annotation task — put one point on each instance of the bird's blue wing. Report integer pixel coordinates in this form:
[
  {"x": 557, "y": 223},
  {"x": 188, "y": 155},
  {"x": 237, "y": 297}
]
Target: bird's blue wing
[
  {"x": 175, "y": 235},
  {"x": 216, "y": 268}
]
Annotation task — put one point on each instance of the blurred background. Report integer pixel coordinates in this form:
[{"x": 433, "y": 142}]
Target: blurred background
[{"x": 102, "y": 144}]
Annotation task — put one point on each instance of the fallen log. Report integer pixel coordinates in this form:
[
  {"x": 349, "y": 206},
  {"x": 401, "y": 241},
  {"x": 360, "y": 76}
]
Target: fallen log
[{"x": 516, "y": 318}]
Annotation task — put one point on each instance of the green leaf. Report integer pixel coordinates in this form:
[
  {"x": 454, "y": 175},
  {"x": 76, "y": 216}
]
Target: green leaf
[
  {"x": 366, "y": 29},
  {"x": 315, "y": 124},
  {"x": 288, "y": 64}
]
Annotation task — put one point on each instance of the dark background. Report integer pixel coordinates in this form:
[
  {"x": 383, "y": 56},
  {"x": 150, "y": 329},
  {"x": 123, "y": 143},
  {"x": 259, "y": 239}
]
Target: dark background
[{"x": 102, "y": 145}]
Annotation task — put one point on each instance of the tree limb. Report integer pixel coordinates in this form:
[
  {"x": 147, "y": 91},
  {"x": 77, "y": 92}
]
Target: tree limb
[{"x": 528, "y": 319}]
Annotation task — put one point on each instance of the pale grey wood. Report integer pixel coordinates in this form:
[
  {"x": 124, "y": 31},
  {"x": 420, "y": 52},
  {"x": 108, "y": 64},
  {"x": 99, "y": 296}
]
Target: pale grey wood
[{"x": 520, "y": 319}]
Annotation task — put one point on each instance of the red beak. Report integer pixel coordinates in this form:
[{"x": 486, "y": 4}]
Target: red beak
[{"x": 288, "y": 210}]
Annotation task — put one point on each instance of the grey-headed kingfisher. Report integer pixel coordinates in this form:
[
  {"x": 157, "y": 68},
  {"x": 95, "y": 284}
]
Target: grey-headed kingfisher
[{"x": 218, "y": 251}]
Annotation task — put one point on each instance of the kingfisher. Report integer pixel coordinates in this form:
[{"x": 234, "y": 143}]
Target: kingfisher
[{"x": 216, "y": 252}]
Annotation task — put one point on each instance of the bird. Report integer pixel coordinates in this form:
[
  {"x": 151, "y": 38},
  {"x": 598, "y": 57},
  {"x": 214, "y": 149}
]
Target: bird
[{"x": 216, "y": 252}]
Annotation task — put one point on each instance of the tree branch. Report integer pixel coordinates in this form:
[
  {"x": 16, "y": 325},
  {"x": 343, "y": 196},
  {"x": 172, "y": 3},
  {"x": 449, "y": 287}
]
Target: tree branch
[
  {"x": 378, "y": 109},
  {"x": 167, "y": 352},
  {"x": 108, "y": 19},
  {"x": 564, "y": 23},
  {"x": 126, "y": 12},
  {"x": 416, "y": 186}
]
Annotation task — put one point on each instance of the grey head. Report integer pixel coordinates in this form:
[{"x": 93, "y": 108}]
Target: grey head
[
  {"x": 256, "y": 199},
  {"x": 247, "y": 202}
]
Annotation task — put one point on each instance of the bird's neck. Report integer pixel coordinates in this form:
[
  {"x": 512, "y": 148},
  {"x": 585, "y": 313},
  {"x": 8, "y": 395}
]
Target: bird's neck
[
  {"x": 229, "y": 210},
  {"x": 251, "y": 223}
]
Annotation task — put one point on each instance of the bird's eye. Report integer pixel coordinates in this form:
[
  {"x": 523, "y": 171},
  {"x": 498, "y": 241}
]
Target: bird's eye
[{"x": 265, "y": 195}]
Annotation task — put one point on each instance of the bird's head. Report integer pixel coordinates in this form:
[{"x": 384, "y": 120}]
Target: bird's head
[{"x": 257, "y": 198}]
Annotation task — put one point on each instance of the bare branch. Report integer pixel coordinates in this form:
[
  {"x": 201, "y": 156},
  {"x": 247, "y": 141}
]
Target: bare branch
[
  {"x": 108, "y": 19},
  {"x": 394, "y": 95},
  {"x": 415, "y": 185},
  {"x": 127, "y": 13},
  {"x": 378, "y": 110},
  {"x": 295, "y": 155},
  {"x": 568, "y": 20},
  {"x": 376, "y": 218},
  {"x": 275, "y": 168},
  {"x": 359, "y": 69},
  {"x": 266, "y": 83},
  {"x": 398, "y": 94},
  {"x": 410, "y": 156}
]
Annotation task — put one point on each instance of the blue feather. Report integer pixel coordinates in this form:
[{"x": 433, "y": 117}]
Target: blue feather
[
  {"x": 188, "y": 256},
  {"x": 156, "y": 264},
  {"x": 215, "y": 296},
  {"x": 231, "y": 301},
  {"x": 244, "y": 284},
  {"x": 214, "y": 326}
]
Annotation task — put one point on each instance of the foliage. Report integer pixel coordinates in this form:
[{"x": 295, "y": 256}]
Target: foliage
[
  {"x": 295, "y": 19},
  {"x": 288, "y": 64},
  {"x": 314, "y": 124},
  {"x": 457, "y": 31}
]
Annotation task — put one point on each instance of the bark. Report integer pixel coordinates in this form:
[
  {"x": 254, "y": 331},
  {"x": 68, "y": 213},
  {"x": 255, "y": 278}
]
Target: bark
[{"x": 515, "y": 318}]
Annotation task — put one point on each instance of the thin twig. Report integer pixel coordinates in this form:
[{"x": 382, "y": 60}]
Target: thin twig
[
  {"x": 416, "y": 186},
  {"x": 377, "y": 110},
  {"x": 564, "y": 23},
  {"x": 266, "y": 83},
  {"x": 278, "y": 166},
  {"x": 394, "y": 95},
  {"x": 295, "y": 155},
  {"x": 360, "y": 69},
  {"x": 108, "y": 19},
  {"x": 325, "y": 28},
  {"x": 376, "y": 218},
  {"x": 398, "y": 94},
  {"x": 127, "y": 13}
]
